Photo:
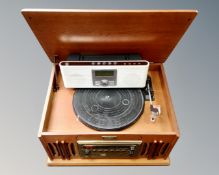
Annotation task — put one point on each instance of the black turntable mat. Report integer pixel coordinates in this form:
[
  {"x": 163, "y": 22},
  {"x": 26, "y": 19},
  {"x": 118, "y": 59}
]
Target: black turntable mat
[{"x": 108, "y": 109}]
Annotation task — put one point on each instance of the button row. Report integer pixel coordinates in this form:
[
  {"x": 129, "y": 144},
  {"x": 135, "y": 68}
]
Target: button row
[
  {"x": 116, "y": 63},
  {"x": 104, "y": 63},
  {"x": 110, "y": 83},
  {"x": 107, "y": 150}
]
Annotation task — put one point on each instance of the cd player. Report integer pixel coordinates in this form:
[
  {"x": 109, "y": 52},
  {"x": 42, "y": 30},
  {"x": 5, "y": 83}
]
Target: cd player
[{"x": 104, "y": 74}]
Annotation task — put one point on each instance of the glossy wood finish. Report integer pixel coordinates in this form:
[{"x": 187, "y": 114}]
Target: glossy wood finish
[
  {"x": 109, "y": 162},
  {"x": 151, "y": 33},
  {"x": 59, "y": 123},
  {"x": 62, "y": 118}
]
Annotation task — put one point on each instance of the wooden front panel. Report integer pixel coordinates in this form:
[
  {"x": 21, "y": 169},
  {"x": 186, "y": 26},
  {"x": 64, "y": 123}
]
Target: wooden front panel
[{"x": 65, "y": 146}]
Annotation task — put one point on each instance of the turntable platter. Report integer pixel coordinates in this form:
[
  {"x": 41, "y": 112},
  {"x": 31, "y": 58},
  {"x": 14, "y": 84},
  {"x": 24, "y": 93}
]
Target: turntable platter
[{"x": 108, "y": 109}]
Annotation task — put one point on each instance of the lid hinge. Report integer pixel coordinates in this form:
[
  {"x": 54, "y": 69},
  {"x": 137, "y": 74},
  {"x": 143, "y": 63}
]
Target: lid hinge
[{"x": 55, "y": 82}]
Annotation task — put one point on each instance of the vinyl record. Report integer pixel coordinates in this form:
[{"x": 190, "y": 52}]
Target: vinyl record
[{"x": 108, "y": 109}]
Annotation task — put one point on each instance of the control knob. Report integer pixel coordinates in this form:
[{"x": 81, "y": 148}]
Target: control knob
[
  {"x": 86, "y": 151},
  {"x": 131, "y": 151},
  {"x": 104, "y": 82}
]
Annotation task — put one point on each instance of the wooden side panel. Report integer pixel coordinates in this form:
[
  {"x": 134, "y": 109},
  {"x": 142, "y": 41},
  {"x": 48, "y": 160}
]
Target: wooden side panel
[
  {"x": 171, "y": 112},
  {"x": 48, "y": 102}
]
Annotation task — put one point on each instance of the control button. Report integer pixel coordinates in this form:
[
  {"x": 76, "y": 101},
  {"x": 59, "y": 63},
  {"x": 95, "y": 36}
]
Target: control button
[
  {"x": 111, "y": 83},
  {"x": 103, "y": 154},
  {"x": 97, "y": 83},
  {"x": 104, "y": 82},
  {"x": 132, "y": 148},
  {"x": 131, "y": 152},
  {"x": 66, "y": 63},
  {"x": 86, "y": 151}
]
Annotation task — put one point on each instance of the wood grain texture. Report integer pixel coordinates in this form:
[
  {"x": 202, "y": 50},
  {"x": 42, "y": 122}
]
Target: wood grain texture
[
  {"x": 109, "y": 162},
  {"x": 61, "y": 118},
  {"x": 151, "y": 33},
  {"x": 48, "y": 101},
  {"x": 59, "y": 123}
]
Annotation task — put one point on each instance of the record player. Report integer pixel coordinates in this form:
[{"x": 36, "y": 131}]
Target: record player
[{"x": 91, "y": 115}]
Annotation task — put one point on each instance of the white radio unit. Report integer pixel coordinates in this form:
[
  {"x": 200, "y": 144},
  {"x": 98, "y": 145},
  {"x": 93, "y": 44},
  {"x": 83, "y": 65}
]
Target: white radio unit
[{"x": 104, "y": 74}]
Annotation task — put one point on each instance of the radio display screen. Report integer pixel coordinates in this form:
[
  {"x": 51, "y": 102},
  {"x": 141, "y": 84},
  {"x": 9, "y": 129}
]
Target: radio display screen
[{"x": 104, "y": 73}]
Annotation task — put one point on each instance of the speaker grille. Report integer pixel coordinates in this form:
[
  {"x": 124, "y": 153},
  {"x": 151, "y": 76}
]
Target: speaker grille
[
  {"x": 144, "y": 147},
  {"x": 61, "y": 149},
  {"x": 165, "y": 149},
  {"x": 155, "y": 149}
]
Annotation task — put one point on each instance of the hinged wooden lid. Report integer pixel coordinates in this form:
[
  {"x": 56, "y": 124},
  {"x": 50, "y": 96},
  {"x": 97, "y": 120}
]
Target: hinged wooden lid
[{"x": 151, "y": 33}]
